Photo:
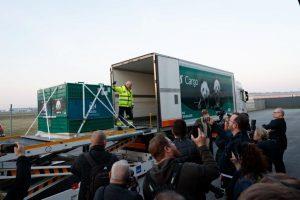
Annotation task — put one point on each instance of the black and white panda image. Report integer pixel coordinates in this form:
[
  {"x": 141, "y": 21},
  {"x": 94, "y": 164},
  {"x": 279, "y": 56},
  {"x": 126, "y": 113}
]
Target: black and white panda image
[
  {"x": 217, "y": 94},
  {"x": 204, "y": 98}
]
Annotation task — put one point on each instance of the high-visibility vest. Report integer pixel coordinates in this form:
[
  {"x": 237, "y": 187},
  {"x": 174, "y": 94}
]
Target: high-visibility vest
[{"x": 125, "y": 96}]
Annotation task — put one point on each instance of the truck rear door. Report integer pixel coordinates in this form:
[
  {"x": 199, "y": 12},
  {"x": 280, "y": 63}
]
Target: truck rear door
[{"x": 169, "y": 97}]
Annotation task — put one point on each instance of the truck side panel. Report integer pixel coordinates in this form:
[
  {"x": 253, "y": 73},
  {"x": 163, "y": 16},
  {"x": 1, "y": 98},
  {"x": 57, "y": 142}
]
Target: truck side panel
[{"x": 205, "y": 88}]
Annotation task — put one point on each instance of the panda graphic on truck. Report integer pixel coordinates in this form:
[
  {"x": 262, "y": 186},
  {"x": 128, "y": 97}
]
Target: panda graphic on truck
[
  {"x": 204, "y": 98},
  {"x": 205, "y": 90}
]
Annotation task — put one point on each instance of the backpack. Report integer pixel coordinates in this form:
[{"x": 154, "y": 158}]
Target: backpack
[
  {"x": 99, "y": 175},
  {"x": 170, "y": 184}
]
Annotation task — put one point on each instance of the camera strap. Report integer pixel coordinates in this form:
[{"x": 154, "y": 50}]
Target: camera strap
[{"x": 103, "y": 191}]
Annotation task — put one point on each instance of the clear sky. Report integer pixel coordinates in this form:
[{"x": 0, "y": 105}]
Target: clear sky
[{"x": 44, "y": 43}]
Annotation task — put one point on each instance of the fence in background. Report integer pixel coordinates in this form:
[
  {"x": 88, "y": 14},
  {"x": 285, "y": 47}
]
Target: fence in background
[{"x": 268, "y": 103}]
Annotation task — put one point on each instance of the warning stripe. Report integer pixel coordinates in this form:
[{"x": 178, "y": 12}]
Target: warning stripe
[
  {"x": 169, "y": 122},
  {"x": 136, "y": 145},
  {"x": 13, "y": 172},
  {"x": 119, "y": 144},
  {"x": 79, "y": 139},
  {"x": 61, "y": 170},
  {"x": 43, "y": 185}
]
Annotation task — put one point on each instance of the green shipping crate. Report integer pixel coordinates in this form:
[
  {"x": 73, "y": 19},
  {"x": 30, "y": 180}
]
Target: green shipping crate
[
  {"x": 63, "y": 125},
  {"x": 65, "y": 108}
]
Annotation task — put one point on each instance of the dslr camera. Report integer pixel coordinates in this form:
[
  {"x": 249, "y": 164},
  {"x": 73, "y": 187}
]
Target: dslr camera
[{"x": 132, "y": 182}]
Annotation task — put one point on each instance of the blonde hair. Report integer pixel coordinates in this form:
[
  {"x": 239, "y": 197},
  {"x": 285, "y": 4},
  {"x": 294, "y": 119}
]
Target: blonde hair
[{"x": 263, "y": 133}]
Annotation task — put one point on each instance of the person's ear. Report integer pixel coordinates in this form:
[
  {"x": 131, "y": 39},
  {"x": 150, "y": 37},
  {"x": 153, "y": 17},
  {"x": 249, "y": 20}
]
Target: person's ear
[
  {"x": 235, "y": 125},
  {"x": 167, "y": 149}
]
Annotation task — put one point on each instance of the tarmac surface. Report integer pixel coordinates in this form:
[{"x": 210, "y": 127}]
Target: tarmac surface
[{"x": 292, "y": 154}]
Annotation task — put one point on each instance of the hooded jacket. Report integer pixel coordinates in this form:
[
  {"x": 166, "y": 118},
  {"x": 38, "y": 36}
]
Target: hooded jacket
[
  {"x": 82, "y": 169},
  {"x": 193, "y": 179}
]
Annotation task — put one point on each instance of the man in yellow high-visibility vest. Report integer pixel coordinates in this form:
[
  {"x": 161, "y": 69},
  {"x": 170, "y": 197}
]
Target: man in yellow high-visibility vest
[{"x": 125, "y": 102}]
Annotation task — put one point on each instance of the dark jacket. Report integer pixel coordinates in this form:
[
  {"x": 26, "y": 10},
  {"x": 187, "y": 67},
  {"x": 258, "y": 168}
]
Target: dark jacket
[
  {"x": 241, "y": 182},
  {"x": 192, "y": 178},
  {"x": 221, "y": 140},
  {"x": 270, "y": 150},
  {"x": 81, "y": 168},
  {"x": 116, "y": 192},
  {"x": 278, "y": 130},
  {"x": 22, "y": 181},
  {"x": 233, "y": 145},
  {"x": 188, "y": 150}
]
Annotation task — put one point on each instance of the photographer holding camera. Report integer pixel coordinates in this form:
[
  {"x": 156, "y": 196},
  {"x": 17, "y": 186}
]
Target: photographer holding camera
[
  {"x": 205, "y": 127},
  {"x": 23, "y": 177},
  {"x": 190, "y": 180},
  {"x": 121, "y": 179}
]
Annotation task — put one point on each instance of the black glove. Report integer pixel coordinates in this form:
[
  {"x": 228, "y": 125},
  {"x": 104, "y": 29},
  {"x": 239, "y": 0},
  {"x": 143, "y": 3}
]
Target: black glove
[{"x": 115, "y": 82}]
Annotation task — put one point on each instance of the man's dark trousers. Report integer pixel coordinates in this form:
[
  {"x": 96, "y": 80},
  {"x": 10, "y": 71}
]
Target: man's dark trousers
[
  {"x": 128, "y": 111},
  {"x": 279, "y": 164}
]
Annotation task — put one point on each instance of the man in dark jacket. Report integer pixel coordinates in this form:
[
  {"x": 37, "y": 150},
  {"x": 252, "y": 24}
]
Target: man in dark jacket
[
  {"x": 187, "y": 148},
  {"x": 82, "y": 168},
  {"x": 277, "y": 130},
  {"x": 188, "y": 179},
  {"x": 237, "y": 125},
  {"x": 21, "y": 185},
  {"x": 117, "y": 189}
]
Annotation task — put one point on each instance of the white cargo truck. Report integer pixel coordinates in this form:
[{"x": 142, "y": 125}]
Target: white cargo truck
[
  {"x": 164, "y": 88},
  {"x": 167, "y": 88}
]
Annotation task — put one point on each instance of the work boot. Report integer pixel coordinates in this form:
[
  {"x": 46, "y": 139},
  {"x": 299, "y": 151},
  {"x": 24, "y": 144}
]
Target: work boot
[
  {"x": 130, "y": 124},
  {"x": 119, "y": 123}
]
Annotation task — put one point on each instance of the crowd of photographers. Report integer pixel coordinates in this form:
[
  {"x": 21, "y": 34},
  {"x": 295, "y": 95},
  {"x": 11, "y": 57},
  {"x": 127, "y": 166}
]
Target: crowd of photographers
[{"x": 185, "y": 166}]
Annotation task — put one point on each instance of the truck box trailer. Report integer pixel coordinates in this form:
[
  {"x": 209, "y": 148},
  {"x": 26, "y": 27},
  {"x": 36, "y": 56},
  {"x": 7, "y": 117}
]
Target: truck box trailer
[{"x": 167, "y": 88}]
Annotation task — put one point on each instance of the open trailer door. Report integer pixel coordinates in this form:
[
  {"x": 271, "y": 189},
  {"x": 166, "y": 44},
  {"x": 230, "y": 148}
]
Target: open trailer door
[
  {"x": 140, "y": 71},
  {"x": 169, "y": 97}
]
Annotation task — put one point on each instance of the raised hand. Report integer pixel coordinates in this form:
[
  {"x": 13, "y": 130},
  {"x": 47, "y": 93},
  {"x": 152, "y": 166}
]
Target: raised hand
[
  {"x": 19, "y": 150},
  {"x": 200, "y": 140}
]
